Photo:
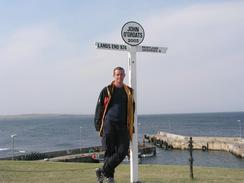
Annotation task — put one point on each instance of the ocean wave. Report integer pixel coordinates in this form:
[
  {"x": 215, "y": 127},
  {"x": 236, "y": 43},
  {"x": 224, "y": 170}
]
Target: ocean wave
[{"x": 4, "y": 149}]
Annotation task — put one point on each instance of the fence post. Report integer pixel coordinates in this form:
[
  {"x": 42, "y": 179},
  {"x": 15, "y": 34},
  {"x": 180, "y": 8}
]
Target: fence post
[{"x": 191, "y": 158}]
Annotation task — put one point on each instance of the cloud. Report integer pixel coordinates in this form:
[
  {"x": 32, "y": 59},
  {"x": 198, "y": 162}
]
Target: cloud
[
  {"x": 202, "y": 69},
  {"x": 34, "y": 70},
  {"x": 43, "y": 71}
]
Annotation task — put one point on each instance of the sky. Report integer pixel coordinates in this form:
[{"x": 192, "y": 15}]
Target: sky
[{"x": 49, "y": 63}]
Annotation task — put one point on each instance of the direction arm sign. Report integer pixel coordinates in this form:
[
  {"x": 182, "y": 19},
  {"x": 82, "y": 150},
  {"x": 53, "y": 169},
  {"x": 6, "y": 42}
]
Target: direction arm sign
[
  {"x": 122, "y": 47},
  {"x": 153, "y": 49},
  {"x": 112, "y": 46}
]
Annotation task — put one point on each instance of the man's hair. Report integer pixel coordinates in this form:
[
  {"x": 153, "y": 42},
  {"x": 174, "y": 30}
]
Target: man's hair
[{"x": 118, "y": 68}]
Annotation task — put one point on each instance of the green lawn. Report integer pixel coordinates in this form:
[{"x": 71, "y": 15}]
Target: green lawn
[{"x": 53, "y": 172}]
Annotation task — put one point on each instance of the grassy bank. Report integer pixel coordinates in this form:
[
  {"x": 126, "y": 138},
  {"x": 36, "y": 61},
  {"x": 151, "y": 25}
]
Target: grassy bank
[{"x": 49, "y": 172}]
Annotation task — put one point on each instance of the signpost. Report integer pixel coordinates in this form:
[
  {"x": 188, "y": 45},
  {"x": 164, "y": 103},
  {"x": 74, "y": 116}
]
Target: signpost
[{"x": 133, "y": 34}]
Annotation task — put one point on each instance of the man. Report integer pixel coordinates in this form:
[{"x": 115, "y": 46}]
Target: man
[{"x": 114, "y": 119}]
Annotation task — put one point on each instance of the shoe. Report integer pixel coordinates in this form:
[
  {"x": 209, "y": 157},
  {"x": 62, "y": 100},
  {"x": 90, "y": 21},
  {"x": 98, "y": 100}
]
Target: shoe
[
  {"x": 110, "y": 180},
  {"x": 99, "y": 174}
]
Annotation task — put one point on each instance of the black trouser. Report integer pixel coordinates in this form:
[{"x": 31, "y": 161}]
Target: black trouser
[{"x": 115, "y": 142}]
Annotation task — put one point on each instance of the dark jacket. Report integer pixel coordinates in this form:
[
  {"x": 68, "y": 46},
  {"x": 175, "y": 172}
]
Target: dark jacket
[{"x": 103, "y": 105}]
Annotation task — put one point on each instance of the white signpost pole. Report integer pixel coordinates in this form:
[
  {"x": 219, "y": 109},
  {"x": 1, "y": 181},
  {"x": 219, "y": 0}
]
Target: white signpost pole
[
  {"x": 134, "y": 143},
  {"x": 133, "y": 34}
]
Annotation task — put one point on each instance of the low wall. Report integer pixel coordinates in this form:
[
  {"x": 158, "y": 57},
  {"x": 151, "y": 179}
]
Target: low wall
[
  {"x": 75, "y": 154},
  {"x": 53, "y": 154},
  {"x": 230, "y": 144}
]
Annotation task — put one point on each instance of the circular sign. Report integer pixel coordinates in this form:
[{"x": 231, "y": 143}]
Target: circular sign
[{"x": 132, "y": 33}]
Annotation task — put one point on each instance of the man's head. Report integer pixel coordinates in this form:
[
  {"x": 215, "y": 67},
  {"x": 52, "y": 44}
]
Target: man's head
[{"x": 119, "y": 75}]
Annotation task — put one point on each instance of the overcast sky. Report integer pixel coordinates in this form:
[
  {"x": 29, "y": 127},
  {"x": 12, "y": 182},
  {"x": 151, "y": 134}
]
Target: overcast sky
[{"x": 49, "y": 64}]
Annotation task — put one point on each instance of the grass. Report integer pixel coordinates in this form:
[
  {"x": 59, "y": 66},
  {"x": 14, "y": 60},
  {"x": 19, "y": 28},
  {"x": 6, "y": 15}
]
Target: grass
[{"x": 53, "y": 172}]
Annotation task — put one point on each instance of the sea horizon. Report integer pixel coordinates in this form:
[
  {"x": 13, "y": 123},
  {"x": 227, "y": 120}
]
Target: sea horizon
[{"x": 81, "y": 114}]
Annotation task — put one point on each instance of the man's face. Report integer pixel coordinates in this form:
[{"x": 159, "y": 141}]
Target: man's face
[{"x": 119, "y": 76}]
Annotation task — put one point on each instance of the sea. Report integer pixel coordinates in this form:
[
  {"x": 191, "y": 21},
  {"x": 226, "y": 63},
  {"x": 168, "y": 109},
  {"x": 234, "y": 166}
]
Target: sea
[{"x": 51, "y": 132}]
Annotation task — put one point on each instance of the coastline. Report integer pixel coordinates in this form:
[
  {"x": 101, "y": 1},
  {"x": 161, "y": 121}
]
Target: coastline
[
  {"x": 61, "y": 132},
  {"x": 174, "y": 141}
]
